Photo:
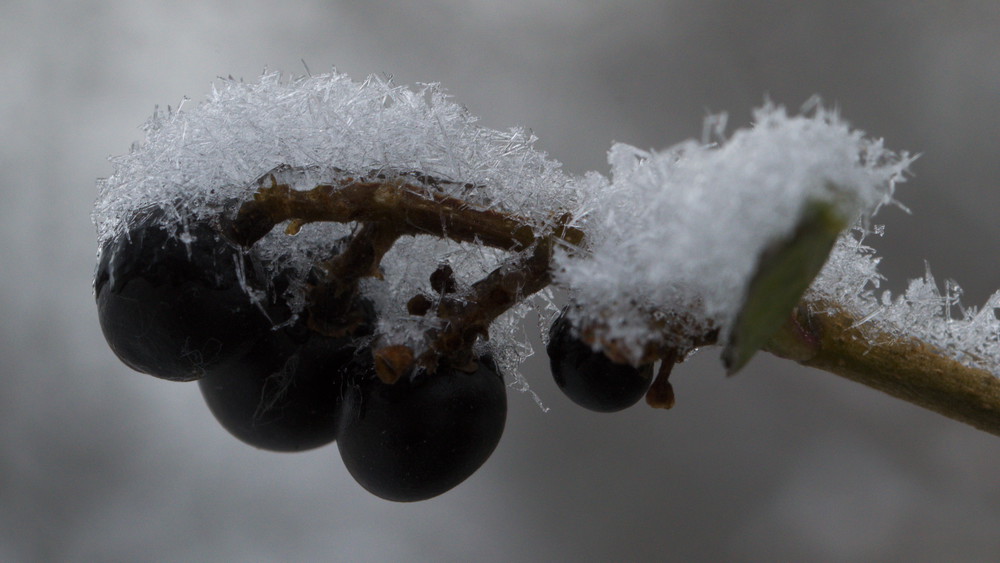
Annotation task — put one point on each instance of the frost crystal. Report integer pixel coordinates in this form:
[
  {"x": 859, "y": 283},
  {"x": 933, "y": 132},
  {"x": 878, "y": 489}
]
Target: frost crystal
[
  {"x": 923, "y": 312},
  {"x": 681, "y": 231},
  {"x": 199, "y": 159}
]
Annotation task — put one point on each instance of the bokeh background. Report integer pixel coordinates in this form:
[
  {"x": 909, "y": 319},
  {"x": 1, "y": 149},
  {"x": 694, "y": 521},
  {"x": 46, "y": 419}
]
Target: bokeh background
[{"x": 98, "y": 463}]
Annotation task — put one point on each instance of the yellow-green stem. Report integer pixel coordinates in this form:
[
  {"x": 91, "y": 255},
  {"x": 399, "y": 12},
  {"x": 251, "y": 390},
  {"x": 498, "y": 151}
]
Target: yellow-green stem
[{"x": 825, "y": 336}]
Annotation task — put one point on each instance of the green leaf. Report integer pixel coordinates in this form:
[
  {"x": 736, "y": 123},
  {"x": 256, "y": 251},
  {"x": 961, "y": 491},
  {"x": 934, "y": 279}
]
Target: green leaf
[{"x": 784, "y": 272}]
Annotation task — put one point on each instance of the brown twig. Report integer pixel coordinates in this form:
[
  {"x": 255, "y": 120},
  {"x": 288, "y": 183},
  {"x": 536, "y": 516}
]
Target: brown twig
[
  {"x": 333, "y": 306},
  {"x": 389, "y": 208},
  {"x": 410, "y": 208},
  {"x": 824, "y": 336},
  {"x": 469, "y": 317}
]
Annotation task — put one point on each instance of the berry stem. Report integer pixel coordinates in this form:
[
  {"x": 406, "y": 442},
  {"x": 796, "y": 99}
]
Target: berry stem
[
  {"x": 412, "y": 209},
  {"x": 389, "y": 209},
  {"x": 661, "y": 394},
  {"x": 333, "y": 300},
  {"x": 470, "y": 316}
]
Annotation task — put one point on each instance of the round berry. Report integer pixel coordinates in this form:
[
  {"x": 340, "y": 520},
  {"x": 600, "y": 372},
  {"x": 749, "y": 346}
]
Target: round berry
[
  {"x": 588, "y": 377},
  {"x": 424, "y": 434},
  {"x": 176, "y": 305},
  {"x": 286, "y": 394}
]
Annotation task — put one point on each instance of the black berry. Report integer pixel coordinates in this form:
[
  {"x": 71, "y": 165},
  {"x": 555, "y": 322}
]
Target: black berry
[
  {"x": 588, "y": 377},
  {"x": 174, "y": 305},
  {"x": 286, "y": 394},
  {"x": 425, "y": 434}
]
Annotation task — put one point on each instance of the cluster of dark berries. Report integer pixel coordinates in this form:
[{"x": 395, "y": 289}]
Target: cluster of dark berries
[
  {"x": 192, "y": 305},
  {"x": 200, "y": 301}
]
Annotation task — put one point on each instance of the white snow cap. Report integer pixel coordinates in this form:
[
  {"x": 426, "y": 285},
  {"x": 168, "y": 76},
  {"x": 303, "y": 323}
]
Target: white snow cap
[
  {"x": 198, "y": 157},
  {"x": 681, "y": 231}
]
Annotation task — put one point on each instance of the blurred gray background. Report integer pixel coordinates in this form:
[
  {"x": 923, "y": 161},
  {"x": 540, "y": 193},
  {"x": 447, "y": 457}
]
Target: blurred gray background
[{"x": 98, "y": 463}]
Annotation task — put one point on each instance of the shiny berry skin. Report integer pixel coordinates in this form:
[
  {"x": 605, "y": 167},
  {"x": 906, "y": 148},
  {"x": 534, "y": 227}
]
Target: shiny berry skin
[
  {"x": 425, "y": 434},
  {"x": 588, "y": 377},
  {"x": 176, "y": 309},
  {"x": 284, "y": 396}
]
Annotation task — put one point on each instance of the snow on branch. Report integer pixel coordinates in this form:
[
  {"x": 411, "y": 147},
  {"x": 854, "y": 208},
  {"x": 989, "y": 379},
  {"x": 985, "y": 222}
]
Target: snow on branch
[
  {"x": 681, "y": 230},
  {"x": 659, "y": 258},
  {"x": 926, "y": 311}
]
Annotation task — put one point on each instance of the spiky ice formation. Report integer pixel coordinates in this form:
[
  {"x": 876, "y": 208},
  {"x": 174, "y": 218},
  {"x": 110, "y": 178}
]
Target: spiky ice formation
[
  {"x": 201, "y": 158},
  {"x": 851, "y": 280},
  {"x": 680, "y": 232}
]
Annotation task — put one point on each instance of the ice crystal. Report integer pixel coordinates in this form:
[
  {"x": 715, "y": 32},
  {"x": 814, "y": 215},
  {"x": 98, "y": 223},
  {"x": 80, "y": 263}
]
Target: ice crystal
[
  {"x": 196, "y": 158},
  {"x": 923, "y": 312},
  {"x": 201, "y": 158},
  {"x": 681, "y": 230}
]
